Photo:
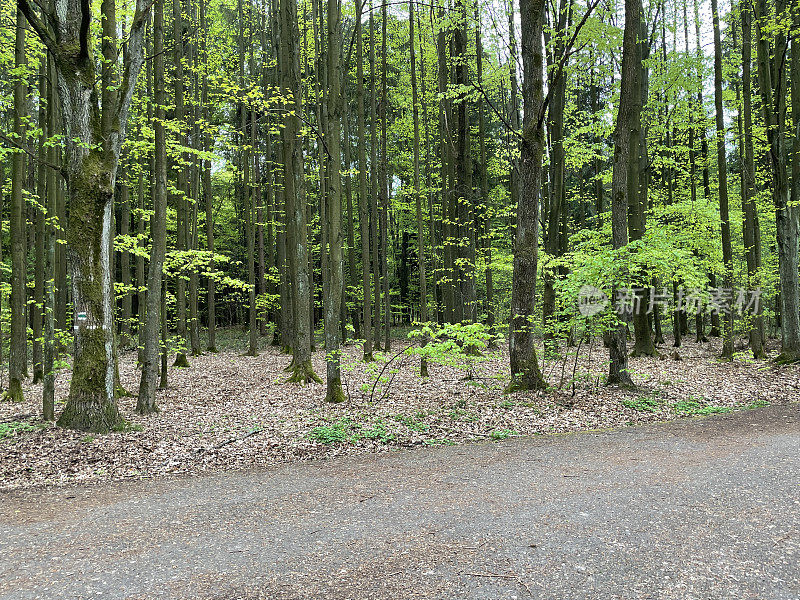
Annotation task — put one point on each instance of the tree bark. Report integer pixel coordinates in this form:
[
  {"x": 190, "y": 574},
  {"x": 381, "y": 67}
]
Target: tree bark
[
  {"x": 363, "y": 194},
  {"x": 333, "y": 309},
  {"x": 18, "y": 350},
  {"x": 751, "y": 231},
  {"x": 722, "y": 175},
  {"x": 148, "y": 384},
  {"x": 773, "y": 102},
  {"x": 525, "y": 373},
  {"x": 294, "y": 198},
  {"x": 626, "y": 162}
]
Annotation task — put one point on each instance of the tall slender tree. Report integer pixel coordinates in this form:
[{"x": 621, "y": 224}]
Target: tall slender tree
[
  {"x": 154, "y": 321},
  {"x": 626, "y": 163},
  {"x": 525, "y": 373}
]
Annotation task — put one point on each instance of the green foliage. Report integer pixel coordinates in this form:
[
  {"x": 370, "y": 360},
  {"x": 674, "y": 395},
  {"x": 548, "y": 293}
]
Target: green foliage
[
  {"x": 501, "y": 434},
  {"x": 696, "y": 406},
  {"x": 459, "y": 345},
  {"x": 760, "y": 403},
  {"x": 13, "y": 428},
  {"x": 649, "y": 403}
]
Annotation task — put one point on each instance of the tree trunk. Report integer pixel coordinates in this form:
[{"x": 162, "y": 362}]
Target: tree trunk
[
  {"x": 333, "y": 309},
  {"x": 18, "y": 350},
  {"x": 557, "y": 80},
  {"x": 525, "y": 373},
  {"x": 154, "y": 320},
  {"x": 181, "y": 201},
  {"x": 39, "y": 232},
  {"x": 638, "y": 199},
  {"x": 722, "y": 175},
  {"x": 294, "y": 198},
  {"x": 363, "y": 194},
  {"x": 773, "y": 102},
  {"x": 423, "y": 282},
  {"x": 626, "y": 161},
  {"x": 50, "y": 348},
  {"x": 383, "y": 183},
  {"x": 752, "y": 231},
  {"x": 374, "y": 233}
]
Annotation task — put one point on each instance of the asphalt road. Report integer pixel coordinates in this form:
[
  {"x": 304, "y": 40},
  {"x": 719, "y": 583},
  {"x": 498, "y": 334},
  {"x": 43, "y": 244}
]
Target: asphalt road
[{"x": 706, "y": 509}]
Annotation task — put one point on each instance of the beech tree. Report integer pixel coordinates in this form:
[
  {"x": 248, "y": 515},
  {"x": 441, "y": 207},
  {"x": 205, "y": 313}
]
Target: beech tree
[{"x": 94, "y": 110}]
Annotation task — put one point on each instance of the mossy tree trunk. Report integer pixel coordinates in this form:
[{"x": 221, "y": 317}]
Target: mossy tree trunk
[
  {"x": 297, "y": 238},
  {"x": 94, "y": 111},
  {"x": 525, "y": 373},
  {"x": 333, "y": 207}
]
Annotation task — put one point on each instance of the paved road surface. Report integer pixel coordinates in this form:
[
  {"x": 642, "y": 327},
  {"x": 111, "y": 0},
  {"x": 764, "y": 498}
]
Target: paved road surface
[{"x": 706, "y": 509}]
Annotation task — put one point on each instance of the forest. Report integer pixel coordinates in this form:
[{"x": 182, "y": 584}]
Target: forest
[{"x": 375, "y": 195}]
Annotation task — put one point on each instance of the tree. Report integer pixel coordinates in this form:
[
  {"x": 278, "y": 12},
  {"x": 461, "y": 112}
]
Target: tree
[
  {"x": 333, "y": 203},
  {"x": 626, "y": 164},
  {"x": 525, "y": 373},
  {"x": 772, "y": 84},
  {"x": 751, "y": 230},
  {"x": 722, "y": 175},
  {"x": 363, "y": 191},
  {"x": 146, "y": 402},
  {"x": 94, "y": 111},
  {"x": 18, "y": 352},
  {"x": 296, "y": 244}
]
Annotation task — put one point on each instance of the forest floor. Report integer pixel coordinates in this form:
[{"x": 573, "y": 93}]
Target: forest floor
[
  {"x": 229, "y": 411},
  {"x": 691, "y": 509}
]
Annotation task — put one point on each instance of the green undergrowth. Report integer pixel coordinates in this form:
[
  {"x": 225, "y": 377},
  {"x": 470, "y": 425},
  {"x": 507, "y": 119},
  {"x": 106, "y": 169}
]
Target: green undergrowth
[
  {"x": 348, "y": 431},
  {"x": 13, "y": 428}
]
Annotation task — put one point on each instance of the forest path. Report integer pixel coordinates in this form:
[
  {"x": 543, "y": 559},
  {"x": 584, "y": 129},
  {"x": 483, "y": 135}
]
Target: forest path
[{"x": 704, "y": 508}]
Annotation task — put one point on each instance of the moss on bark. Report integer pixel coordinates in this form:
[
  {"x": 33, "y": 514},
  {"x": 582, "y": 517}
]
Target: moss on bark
[
  {"x": 14, "y": 391},
  {"x": 303, "y": 373},
  {"x": 787, "y": 358},
  {"x": 95, "y": 414},
  {"x": 335, "y": 394},
  {"x": 181, "y": 362},
  {"x": 528, "y": 380}
]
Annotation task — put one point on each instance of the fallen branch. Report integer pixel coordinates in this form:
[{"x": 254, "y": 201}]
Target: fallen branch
[{"x": 250, "y": 433}]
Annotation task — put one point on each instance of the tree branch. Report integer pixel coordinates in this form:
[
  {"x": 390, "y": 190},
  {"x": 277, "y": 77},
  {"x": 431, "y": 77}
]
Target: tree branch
[
  {"x": 132, "y": 63},
  {"x": 38, "y": 25},
  {"x": 57, "y": 168}
]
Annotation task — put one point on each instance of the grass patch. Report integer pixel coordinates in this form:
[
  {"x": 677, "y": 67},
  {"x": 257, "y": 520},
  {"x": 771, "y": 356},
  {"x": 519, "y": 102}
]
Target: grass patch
[
  {"x": 760, "y": 403},
  {"x": 414, "y": 423},
  {"x": 501, "y": 434},
  {"x": 335, "y": 433},
  {"x": 13, "y": 428},
  {"x": 648, "y": 403},
  {"x": 346, "y": 431},
  {"x": 694, "y": 406},
  {"x": 439, "y": 442},
  {"x": 127, "y": 427}
]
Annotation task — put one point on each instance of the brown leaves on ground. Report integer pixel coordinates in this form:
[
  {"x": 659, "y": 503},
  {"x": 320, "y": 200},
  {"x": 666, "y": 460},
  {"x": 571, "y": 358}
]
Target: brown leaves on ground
[{"x": 229, "y": 411}]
